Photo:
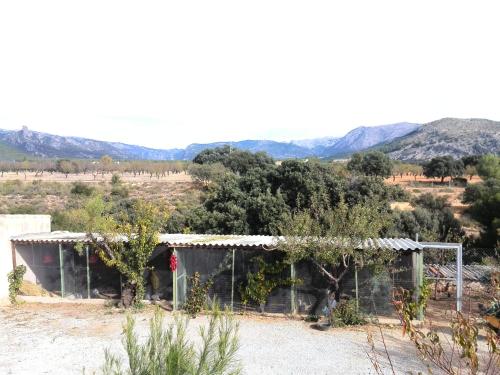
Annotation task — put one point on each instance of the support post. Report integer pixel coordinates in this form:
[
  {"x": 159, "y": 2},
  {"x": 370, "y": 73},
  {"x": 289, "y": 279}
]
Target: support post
[
  {"x": 420, "y": 282},
  {"x": 88, "y": 270},
  {"x": 174, "y": 282},
  {"x": 356, "y": 286},
  {"x": 293, "y": 292},
  {"x": 232, "y": 281},
  {"x": 459, "y": 278},
  {"x": 61, "y": 269},
  {"x": 14, "y": 260}
]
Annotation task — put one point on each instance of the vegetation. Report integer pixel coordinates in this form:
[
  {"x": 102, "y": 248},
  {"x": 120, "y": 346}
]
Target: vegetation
[
  {"x": 373, "y": 163},
  {"x": 260, "y": 284},
  {"x": 444, "y": 166},
  {"x": 334, "y": 239},
  {"x": 346, "y": 313},
  {"x": 124, "y": 241},
  {"x": 169, "y": 351},
  {"x": 197, "y": 295},
  {"x": 462, "y": 354},
  {"x": 484, "y": 200},
  {"x": 15, "y": 278}
]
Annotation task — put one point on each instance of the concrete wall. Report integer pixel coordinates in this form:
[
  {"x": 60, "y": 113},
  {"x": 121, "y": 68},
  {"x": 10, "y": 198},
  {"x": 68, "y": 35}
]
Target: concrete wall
[{"x": 13, "y": 225}]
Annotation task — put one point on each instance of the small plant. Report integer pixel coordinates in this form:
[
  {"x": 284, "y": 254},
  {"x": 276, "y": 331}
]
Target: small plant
[
  {"x": 458, "y": 357},
  {"x": 346, "y": 314},
  {"x": 168, "y": 350},
  {"x": 197, "y": 296},
  {"x": 15, "y": 278},
  {"x": 116, "y": 179},
  {"x": 261, "y": 283}
]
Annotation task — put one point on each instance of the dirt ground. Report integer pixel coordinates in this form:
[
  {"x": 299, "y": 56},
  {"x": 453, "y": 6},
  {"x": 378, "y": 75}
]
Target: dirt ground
[
  {"x": 88, "y": 177},
  {"x": 67, "y": 339}
]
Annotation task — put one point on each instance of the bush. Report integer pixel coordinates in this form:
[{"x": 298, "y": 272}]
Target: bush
[
  {"x": 80, "y": 188},
  {"x": 346, "y": 314},
  {"x": 197, "y": 296},
  {"x": 168, "y": 350},
  {"x": 15, "y": 278}
]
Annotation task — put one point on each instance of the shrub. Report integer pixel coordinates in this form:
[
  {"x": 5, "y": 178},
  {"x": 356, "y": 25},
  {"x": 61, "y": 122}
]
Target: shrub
[
  {"x": 15, "y": 278},
  {"x": 116, "y": 179},
  {"x": 80, "y": 188},
  {"x": 197, "y": 296},
  {"x": 346, "y": 314},
  {"x": 168, "y": 350}
]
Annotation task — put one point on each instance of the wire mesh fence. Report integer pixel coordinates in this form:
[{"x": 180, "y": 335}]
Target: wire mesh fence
[{"x": 60, "y": 269}]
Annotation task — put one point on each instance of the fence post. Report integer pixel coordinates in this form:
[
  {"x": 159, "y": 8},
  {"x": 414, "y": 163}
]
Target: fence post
[
  {"x": 420, "y": 282},
  {"x": 88, "y": 270},
  {"x": 293, "y": 294},
  {"x": 61, "y": 269},
  {"x": 459, "y": 278},
  {"x": 174, "y": 281},
  {"x": 232, "y": 281},
  {"x": 356, "y": 286}
]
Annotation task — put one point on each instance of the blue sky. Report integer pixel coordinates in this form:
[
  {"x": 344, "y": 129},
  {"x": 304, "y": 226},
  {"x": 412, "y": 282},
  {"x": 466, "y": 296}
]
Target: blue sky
[{"x": 165, "y": 74}]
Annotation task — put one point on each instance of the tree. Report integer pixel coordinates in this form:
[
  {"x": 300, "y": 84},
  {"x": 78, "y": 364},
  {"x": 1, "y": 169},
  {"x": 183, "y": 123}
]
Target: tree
[
  {"x": 106, "y": 163},
  {"x": 335, "y": 240},
  {"x": 126, "y": 241},
  {"x": 373, "y": 163},
  {"x": 470, "y": 171},
  {"x": 489, "y": 167},
  {"x": 444, "y": 166},
  {"x": 65, "y": 166}
]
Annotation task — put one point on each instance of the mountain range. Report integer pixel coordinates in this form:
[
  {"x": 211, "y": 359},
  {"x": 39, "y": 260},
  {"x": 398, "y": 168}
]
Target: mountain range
[{"x": 404, "y": 141}]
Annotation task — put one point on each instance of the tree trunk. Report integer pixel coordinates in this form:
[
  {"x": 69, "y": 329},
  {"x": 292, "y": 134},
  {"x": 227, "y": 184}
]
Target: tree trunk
[{"x": 128, "y": 295}]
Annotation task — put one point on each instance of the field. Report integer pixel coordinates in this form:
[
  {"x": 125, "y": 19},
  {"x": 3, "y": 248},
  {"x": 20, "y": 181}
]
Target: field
[{"x": 52, "y": 192}]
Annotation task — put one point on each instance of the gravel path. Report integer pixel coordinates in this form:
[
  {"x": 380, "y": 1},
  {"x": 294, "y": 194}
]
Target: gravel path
[{"x": 43, "y": 339}]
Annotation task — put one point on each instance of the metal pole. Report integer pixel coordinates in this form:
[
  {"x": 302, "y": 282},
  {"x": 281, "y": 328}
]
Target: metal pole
[
  {"x": 174, "y": 282},
  {"x": 88, "y": 271},
  {"x": 356, "y": 286},
  {"x": 420, "y": 278},
  {"x": 232, "y": 281},
  {"x": 293, "y": 296},
  {"x": 459, "y": 278},
  {"x": 61, "y": 269}
]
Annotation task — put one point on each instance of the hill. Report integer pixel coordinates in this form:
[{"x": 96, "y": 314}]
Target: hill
[
  {"x": 33, "y": 144},
  {"x": 365, "y": 137},
  {"x": 448, "y": 136}
]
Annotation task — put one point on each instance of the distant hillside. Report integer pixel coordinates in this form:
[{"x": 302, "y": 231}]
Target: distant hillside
[
  {"x": 278, "y": 150},
  {"x": 448, "y": 136},
  {"x": 314, "y": 143},
  {"x": 36, "y": 144},
  {"x": 365, "y": 137},
  {"x": 404, "y": 141}
]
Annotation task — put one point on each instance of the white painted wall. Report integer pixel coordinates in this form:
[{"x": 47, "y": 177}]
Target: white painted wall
[{"x": 13, "y": 225}]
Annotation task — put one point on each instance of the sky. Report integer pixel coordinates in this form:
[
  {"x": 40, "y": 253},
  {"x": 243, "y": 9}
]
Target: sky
[{"x": 168, "y": 73}]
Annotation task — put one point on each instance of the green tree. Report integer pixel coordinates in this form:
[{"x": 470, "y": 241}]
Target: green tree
[
  {"x": 335, "y": 240},
  {"x": 444, "y": 166},
  {"x": 489, "y": 167},
  {"x": 374, "y": 163},
  {"x": 125, "y": 241}
]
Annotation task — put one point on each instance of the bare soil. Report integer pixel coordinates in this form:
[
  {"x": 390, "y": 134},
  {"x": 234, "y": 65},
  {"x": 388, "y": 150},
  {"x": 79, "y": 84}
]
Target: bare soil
[{"x": 66, "y": 339}]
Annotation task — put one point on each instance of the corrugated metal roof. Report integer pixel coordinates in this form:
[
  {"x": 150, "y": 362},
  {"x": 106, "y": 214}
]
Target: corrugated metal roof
[
  {"x": 470, "y": 272},
  {"x": 213, "y": 241}
]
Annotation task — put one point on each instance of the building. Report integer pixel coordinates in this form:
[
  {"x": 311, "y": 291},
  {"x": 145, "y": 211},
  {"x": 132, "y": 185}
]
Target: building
[{"x": 54, "y": 264}]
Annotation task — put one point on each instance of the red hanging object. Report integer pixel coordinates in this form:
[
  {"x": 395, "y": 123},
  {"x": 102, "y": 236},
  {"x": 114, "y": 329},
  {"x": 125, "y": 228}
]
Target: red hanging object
[
  {"x": 93, "y": 259},
  {"x": 173, "y": 263},
  {"x": 48, "y": 259}
]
